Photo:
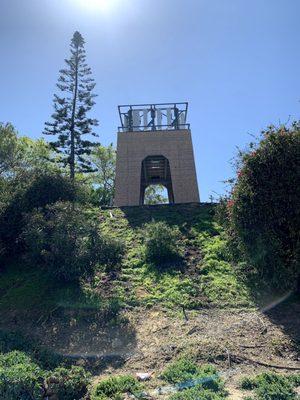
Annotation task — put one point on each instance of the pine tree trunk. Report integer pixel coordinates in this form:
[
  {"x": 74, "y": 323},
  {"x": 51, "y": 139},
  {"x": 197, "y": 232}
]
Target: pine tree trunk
[{"x": 72, "y": 152}]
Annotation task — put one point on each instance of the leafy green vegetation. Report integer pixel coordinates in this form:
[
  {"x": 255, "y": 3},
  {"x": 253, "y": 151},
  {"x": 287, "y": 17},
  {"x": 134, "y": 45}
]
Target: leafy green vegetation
[
  {"x": 21, "y": 378},
  {"x": 272, "y": 386},
  {"x": 44, "y": 358},
  {"x": 113, "y": 388},
  {"x": 197, "y": 394},
  {"x": 194, "y": 381},
  {"x": 65, "y": 241},
  {"x": 68, "y": 383},
  {"x": 161, "y": 243},
  {"x": 206, "y": 277},
  {"x": 261, "y": 214}
]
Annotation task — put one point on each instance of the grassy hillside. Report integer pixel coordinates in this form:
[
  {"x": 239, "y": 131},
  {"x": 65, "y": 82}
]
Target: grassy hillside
[
  {"x": 82, "y": 323},
  {"x": 205, "y": 278}
]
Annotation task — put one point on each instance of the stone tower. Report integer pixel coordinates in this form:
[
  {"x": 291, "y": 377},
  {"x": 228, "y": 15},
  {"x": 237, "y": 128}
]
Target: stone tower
[{"x": 155, "y": 147}]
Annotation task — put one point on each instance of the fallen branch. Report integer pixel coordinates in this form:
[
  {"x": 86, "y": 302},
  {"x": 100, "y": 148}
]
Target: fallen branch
[{"x": 236, "y": 357}]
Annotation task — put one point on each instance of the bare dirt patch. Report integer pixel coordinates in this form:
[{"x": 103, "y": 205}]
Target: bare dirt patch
[{"x": 238, "y": 342}]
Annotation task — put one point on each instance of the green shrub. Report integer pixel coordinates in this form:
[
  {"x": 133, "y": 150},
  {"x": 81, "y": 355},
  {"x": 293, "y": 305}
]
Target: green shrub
[
  {"x": 262, "y": 214},
  {"x": 65, "y": 240},
  {"x": 161, "y": 243},
  {"x": 110, "y": 250},
  {"x": 184, "y": 370},
  {"x": 294, "y": 379},
  {"x": 180, "y": 370},
  {"x": 113, "y": 388},
  {"x": 20, "y": 378},
  {"x": 31, "y": 190},
  {"x": 68, "y": 384},
  {"x": 248, "y": 383},
  {"x": 44, "y": 357},
  {"x": 272, "y": 386},
  {"x": 197, "y": 393},
  {"x": 275, "y": 391}
]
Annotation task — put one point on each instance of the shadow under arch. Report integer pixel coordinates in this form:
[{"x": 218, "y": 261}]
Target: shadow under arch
[{"x": 155, "y": 170}]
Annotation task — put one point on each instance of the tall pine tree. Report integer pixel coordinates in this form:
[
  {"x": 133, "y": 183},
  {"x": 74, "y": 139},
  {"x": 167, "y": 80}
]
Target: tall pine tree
[{"x": 70, "y": 122}]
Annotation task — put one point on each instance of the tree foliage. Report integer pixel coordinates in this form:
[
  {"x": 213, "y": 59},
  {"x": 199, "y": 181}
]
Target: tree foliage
[
  {"x": 262, "y": 213},
  {"x": 103, "y": 180},
  {"x": 64, "y": 240},
  {"x": 30, "y": 190},
  {"x": 8, "y": 149},
  {"x": 18, "y": 154},
  {"x": 154, "y": 195},
  {"x": 70, "y": 122}
]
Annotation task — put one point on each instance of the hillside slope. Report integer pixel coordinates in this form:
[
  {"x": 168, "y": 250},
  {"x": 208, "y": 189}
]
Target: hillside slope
[
  {"x": 206, "y": 277},
  {"x": 140, "y": 318}
]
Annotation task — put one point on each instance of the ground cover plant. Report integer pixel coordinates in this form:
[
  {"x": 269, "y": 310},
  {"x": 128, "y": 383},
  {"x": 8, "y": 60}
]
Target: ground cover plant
[
  {"x": 68, "y": 243},
  {"x": 193, "y": 381},
  {"x": 115, "y": 388},
  {"x": 208, "y": 276},
  {"x": 271, "y": 386},
  {"x": 43, "y": 357},
  {"x": 21, "y": 378}
]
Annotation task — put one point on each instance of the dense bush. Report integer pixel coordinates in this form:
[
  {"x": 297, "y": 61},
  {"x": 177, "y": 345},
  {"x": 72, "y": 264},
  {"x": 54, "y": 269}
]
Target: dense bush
[
  {"x": 197, "y": 393},
  {"x": 67, "y": 242},
  {"x": 31, "y": 190},
  {"x": 23, "y": 379},
  {"x": 161, "y": 243},
  {"x": 20, "y": 378},
  {"x": 45, "y": 358},
  {"x": 272, "y": 386},
  {"x": 115, "y": 387},
  {"x": 110, "y": 251},
  {"x": 262, "y": 214},
  {"x": 68, "y": 384},
  {"x": 183, "y": 370}
]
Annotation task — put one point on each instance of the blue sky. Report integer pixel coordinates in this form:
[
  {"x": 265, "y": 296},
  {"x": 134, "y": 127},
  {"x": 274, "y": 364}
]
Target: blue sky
[{"x": 236, "y": 62}]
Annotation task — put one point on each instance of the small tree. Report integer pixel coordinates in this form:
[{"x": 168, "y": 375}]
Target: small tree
[
  {"x": 9, "y": 154},
  {"x": 103, "y": 180},
  {"x": 70, "y": 122},
  {"x": 19, "y": 154}
]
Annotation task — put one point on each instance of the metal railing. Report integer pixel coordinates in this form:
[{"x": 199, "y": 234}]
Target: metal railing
[{"x": 153, "y": 117}]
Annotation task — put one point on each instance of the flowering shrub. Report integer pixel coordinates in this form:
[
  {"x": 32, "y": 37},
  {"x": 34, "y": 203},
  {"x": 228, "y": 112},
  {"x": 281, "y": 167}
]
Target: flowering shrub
[{"x": 262, "y": 213}]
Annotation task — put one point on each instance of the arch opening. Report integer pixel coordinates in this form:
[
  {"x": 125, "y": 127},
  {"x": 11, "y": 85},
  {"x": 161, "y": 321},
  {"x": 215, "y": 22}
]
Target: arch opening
[
  {"x": 155, "y": 171},
  {"x": 156, "y": 194}
]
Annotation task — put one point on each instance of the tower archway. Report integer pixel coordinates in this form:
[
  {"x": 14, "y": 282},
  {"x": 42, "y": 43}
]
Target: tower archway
[{"x": 155, "y": 170}]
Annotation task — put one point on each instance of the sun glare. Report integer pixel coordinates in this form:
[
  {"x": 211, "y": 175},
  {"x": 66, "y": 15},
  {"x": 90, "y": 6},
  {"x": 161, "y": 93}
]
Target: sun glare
[{"x": 100, "y": 5}]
